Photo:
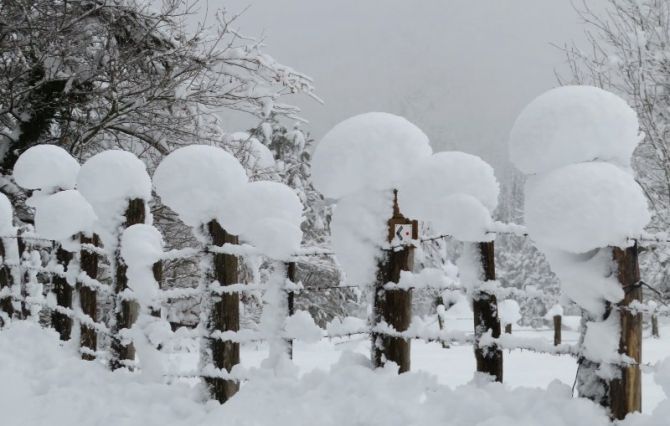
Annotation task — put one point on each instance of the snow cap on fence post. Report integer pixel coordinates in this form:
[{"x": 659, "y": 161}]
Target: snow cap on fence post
[
  {"x": 196, "y": 181},
  {"x": 359, "y": 162},
  {"x": 582, "y": 207},
  {"x": 109, "y": 180},
  {"x": 141, "y": 247},
  {"x": 454, "y": 191},
  {"x": 46, "y": 167},
  {"x": 63, "y": 215}
]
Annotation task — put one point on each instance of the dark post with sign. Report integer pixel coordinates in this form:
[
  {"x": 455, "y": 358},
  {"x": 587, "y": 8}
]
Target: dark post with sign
[{"x": 394, "y": 307}]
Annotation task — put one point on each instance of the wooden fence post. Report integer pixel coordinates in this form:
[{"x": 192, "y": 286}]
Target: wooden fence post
[
  {"x": 224, "y": 315},
  {"x": 126, "y": 310},
  {"x": 61, "y": 322},
  {"x": 394, "y": 306},
  {"x": 508, "y": 328},
  {"x": 290, "y": 297},
  {"x": 6, "y": 283},
  {"x": 626, "y": 391},
  {"x": 23, "y": 284},
  {"x": 557, "y": 329},
  {"x": 485, "y": 311},
  {"x": 88, "y": 297}
]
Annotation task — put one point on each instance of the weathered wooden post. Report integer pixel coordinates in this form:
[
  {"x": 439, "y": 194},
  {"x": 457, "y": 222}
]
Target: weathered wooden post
[
  {"x": 626, "y": 391},
  {"x": 394, "y": 307},
  {"x": 88, "y": 297},
  {"x": 508, "y": 328},
  {"x": 290, "y": 298},
  {"x": 24, "y": 312},
  {"x": 225, "y": 315},
  {"x": 557, "y": 329},
  {"x": 61, "y": 322},
  {"x": 6, "y": 283},
  {"x": 126, "y": 310},
  {"x": 485, "y": 311}
]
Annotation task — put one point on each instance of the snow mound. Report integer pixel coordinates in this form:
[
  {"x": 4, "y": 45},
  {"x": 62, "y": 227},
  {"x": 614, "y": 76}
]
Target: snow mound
[
  {"x": 47, "y": 167},
  {"x": 64, "y": 214},
  {"x": 369, "y": 151},
  {"x": 6, "y": 216},
  {"x": 461, "y": 216},
  {"x": 584, "y": 206},
  {"x": 573, "y": 124},
  {"x": 261, "y": 200},
  {"x": 444, "y": 174},
  {"x": 509, "y": 311},
  {"x": 359, "y": 231},
  {"x": 196, "y": 181},
  {"x": 108, "y": 180}
]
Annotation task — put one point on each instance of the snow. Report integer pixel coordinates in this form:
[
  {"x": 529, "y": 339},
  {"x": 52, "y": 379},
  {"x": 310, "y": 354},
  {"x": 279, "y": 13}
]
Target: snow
[
  {"x": 586, "y": 278},
  {"x": 556, "y": 310},
  {"x": 509, "y": 311},
  {"x": 196, "y": 181},
  {"x": 453, "y": 191},
  {"x": 444, "y": 174},
  {"x": 573, "y": 124},
  {"x": 260, "y": 200},
  {"x": 108, "y": 180},
  {"x": 601, "y": 340},
  {"x": 141, "y": 247},
  {"x": 461, "y": 216},
  {"x": 301, "y": 326},
  {"x": 249, "y": 151},
  {"x": 372, "y": 151},
  {"x": 275, "y": 238},
  {"x": 584, "y": 206},
  {"x": 359, "y": 231},
  {"x": 6, "y": 216},
  {"x": 63, "y": 215},
  {"x": 47, "y": 167}
]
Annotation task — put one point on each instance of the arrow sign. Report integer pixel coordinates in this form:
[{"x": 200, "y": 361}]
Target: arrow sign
[{"x": 403, "y": 232}]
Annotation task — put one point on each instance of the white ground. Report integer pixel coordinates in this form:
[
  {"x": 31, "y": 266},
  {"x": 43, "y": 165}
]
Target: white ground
[{"x": 42, "y": 382}]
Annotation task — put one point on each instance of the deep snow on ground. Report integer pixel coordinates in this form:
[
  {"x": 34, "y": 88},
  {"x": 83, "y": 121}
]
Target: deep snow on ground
[{"x": 42, "y": 382}]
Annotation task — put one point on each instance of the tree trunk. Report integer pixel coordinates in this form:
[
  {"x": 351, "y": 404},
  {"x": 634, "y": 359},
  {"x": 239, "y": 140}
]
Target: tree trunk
[
  {"x": 557, "y": 330},
  {"x": 59, "y": 321},
  {"x": 88, "y": 297},
  {"x": 394, "y": 306},
  {"x": 626, "y": 392},
  {"x": 485, "y": 311},
  {"x": 126, "y": 310},
  {"x": 225, "y": 315}
]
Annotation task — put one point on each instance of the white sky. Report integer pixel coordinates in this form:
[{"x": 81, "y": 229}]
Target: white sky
[{"x": 460, "y": 69}]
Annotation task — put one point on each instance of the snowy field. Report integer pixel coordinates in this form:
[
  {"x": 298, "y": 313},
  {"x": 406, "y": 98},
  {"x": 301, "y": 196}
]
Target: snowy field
[{"x": 44, "y": 383}]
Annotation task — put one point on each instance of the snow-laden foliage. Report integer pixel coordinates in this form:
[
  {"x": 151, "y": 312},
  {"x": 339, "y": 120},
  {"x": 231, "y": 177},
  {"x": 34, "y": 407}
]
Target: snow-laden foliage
[
  {"x": 372, "y": 151},
  {"x": 197, "y": 182},
  {"x": 46, "y": 167},
  {"x": 89, "y": 75},
  {"x": 63, "y": 215},
  {"x": 573, "y": 124}
]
